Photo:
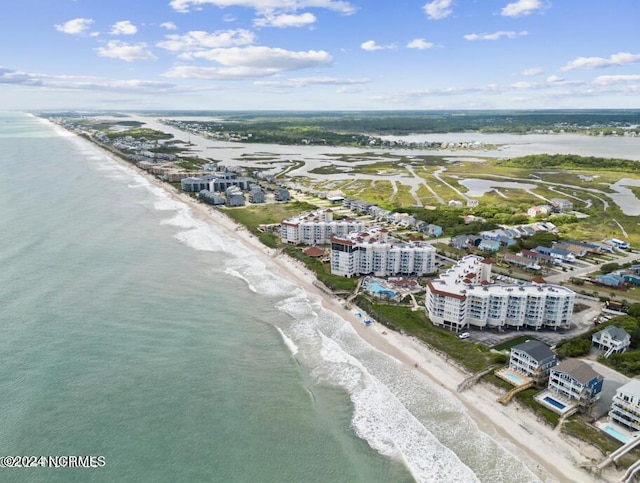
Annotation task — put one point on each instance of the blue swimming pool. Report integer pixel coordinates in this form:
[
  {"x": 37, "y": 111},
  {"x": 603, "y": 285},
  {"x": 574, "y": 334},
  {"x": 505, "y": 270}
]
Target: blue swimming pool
[
  {"x": 555, "y": 403},
  {"x": 611, "y": 431},
  {"x": 379, "y": 290},
  {"x": 517, "y": 380}
]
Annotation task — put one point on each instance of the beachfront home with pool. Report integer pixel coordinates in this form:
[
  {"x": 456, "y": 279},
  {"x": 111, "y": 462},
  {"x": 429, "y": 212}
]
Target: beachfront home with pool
[
  {"x": 571, "y": 383},
  {"x": 625, "y": 409},
  {"x": 533, "y": 359}
]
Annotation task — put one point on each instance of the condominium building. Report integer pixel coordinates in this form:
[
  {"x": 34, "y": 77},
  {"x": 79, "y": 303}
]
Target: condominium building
[
  {"x": 464, "y": 296},
  {"x": 214, "y": 182},
  {"x": 316, "y": 228},
  {"x": 625, "y": 409},
  {"x": 374, "y": 253}
]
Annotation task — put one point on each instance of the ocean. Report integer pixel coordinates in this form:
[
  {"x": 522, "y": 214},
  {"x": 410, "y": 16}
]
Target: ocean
[{"x": 132, "y": 330}]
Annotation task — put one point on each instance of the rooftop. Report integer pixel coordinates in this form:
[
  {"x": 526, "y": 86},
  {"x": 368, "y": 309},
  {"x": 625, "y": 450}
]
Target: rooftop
[
  {"x": 536, "y": 349},
  {"x": 580, "y": 371}
]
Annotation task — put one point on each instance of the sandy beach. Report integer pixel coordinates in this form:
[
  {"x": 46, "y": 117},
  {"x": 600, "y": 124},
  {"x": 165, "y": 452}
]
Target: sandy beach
[{"x": 551, "y": 456}]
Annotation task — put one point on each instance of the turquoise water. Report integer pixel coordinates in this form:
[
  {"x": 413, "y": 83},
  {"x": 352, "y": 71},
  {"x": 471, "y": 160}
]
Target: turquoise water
[
  {"x": 131, "y": 329},
  {"x": 615, "y": 433},
  {"x": 378, "y": 289},
  {"x": 513, "y": 377}
]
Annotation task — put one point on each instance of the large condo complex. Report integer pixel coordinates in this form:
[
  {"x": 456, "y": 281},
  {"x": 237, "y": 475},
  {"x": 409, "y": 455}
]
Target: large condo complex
[
  {"x": 316, "y": 228},
  {"x": 464, "y": 296},
  {"x": 374, "y": 253}
]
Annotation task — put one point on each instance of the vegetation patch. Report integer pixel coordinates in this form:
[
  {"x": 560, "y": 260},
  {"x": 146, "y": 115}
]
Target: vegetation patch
[{"x": 402, "y": 319}]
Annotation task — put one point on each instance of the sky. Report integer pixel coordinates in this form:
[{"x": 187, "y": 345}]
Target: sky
[{"x": 319, "y": 54}]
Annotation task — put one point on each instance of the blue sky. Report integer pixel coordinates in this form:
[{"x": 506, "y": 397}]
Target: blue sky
[{"x": 319, "y": 54}]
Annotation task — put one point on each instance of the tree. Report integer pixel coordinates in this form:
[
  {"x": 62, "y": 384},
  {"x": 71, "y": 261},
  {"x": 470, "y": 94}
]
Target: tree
[
  {"x": 609, "y": 267},
  {"x": 574, "y": 347},
  {"x": 634, "y": 311}
]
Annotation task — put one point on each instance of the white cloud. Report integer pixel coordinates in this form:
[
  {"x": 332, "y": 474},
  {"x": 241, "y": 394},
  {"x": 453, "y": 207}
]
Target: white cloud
[
  {"x": 253, "y": 61},
  {"x": 169, "y": 26},
  {"x": 438, "y": 9},
  {"x": 285, "y": 20},
  {"x": 420, "y": 44},
  {"x": 370, "y": 46},
  {"x": 306, "y": 81},
  {"x": 621, "y": 58},
  {"x": 555, "y": 79},
  {"x": 116, "y": 49},
  {"x": 10, "y": 76},
  {"x": 267, "y": 6},
  {"x": 124, "y": 27},
  {"x": 77, "y": 26},
  {"x": 521, "y": 7},
  {"x": 496, "y": 35},
  {"x": 605, "y": 80},
  {"x": 532, "y": 72},
  {"x": 198, "y": 40},
  {"x": 70, "y": 82}
]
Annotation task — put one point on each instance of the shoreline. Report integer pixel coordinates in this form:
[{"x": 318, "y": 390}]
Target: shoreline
[{"x": 543, "y": 451}]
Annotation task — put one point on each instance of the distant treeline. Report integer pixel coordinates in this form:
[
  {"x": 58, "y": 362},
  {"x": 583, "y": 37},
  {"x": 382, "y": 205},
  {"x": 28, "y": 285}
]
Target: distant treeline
[
  {"x": 571, "y": 161},
  {"x": 407, "y": 122}
]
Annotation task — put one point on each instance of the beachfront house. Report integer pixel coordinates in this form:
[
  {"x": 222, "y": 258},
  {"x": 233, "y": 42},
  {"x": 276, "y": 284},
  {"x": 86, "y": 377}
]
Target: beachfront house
[
  {"x": 575, "y": 381},
  {"x": 611, "y": 340},
  {"x": 211, "y": 198},
  {"x": 533, "y": 359},
  {"x": 625, "y": 408}
]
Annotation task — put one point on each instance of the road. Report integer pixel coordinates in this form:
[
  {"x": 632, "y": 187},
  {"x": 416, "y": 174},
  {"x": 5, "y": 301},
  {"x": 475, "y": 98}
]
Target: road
[{"x": 580, "y": 272}]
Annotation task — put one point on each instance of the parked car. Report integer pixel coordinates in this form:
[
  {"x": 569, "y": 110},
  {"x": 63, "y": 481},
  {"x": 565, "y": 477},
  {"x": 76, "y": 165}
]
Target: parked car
[{"x": 464, "y": 335}]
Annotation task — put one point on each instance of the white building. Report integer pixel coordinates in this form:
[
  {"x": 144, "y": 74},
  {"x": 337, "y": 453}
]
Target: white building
[
  {"x": 611, "y": 340},
  {"x": 533, "y": 359},
  {"x": 539, "y": 209},
  {"x": 464, "y": 296},
  {"x": 374, "y": 253},
  {"x": 625, "y": 408},
  {"x": 316, "y": 228}
]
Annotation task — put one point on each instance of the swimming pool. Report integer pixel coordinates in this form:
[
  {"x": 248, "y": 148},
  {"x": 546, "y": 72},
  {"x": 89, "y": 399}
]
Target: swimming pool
[
  {"x": 517, "y": 380},
  {"x": 611, "y": 431},
  {"x": 555, "y": 403},
  {"x": 379, "y": 290}
]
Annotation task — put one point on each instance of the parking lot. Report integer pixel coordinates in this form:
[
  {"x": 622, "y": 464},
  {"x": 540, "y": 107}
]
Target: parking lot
[{"x": 581, "y": 322}]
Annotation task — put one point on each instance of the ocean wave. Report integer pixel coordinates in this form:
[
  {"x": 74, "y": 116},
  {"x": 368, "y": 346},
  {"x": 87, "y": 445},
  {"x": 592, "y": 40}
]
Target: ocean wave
[
  {"x": 253, "y": 270},
  {"x": 288, "y": 342},
  {"x": 378, "y": 416},
  {"x": 235, "y": 273}
]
